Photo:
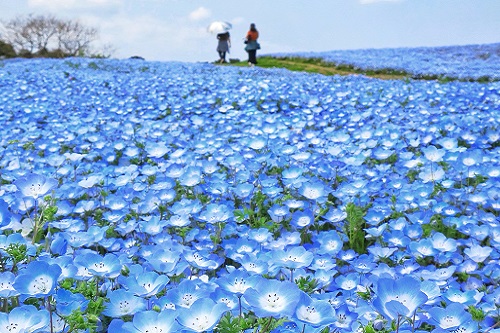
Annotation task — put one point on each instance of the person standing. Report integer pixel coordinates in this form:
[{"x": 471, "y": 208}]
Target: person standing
[
  {"x": 252, "y": 45},
  {"x": 223, "y": 45}
]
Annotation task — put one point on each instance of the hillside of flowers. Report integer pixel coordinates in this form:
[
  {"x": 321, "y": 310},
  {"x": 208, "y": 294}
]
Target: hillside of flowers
[
  {"x": 464, "y": 62},
  {"x": 187, "y": 197}
]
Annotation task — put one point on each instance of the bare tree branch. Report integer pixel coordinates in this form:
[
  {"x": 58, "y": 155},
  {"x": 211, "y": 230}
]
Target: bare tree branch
[{"x": 42, "y": 35}]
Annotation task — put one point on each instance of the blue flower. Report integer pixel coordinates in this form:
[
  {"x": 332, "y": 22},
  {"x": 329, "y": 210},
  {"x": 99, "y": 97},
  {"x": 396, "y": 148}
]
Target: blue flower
[
  {"x": 144, "y": 284},
  {"x": 34, "y": 186},
  {"x": 272, "y": 298},
  {"x": 397, "y": 298},
  {"x": 186, "y": 293},
  {"x": 38, "y": 279},
  {"x": 202, "y": 315},
  {"x": 6, "y": 285},
  {"x": 302, "y": 219},
  {"x": 25, "y": 318},
  {"x": 293, "y": 258},
  {"x": 67, "y": 302},
  {"x": 313, "y": 190},
  {"x": 314, "y": 312},
  {"x": 451, "y": 317},
  {"x": 108, "y": 266},
  {"x": 123, "y": 303},
  {"x": 237, "y": 282},
  {"x": 150, "y": 322}
]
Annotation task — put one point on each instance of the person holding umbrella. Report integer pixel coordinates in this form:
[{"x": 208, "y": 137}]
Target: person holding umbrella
[
  {"x": 221, "y": 28},
  {"x": 223, "y": 45},
  {"x": 252, "y": 45}
]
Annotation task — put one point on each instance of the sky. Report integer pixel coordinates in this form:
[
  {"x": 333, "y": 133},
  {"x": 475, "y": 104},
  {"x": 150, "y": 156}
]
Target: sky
[{"x": 176, "y": 30}]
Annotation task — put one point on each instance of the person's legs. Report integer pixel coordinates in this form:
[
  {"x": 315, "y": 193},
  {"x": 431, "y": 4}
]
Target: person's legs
[
  {"x": 252, "y": 56},
  {"x": 222, "y": 56}
]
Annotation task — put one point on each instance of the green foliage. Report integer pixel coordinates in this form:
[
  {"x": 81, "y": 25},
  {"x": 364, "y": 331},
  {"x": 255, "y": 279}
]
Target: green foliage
[
  {"x": 355, "y": 226},
  {"x": 18, "y": 253},
  {"x": 6, "y": 50},
  {"x": 436, "y": 224},
  {"x": 307, "y": 284},
  {"x": 477, "y": 314},
  {"x": 230, "y": 324}
]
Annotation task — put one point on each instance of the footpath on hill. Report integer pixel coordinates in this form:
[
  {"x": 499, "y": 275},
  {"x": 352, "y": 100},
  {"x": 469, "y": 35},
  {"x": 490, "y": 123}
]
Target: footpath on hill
[{"x": 317, "y": 65}]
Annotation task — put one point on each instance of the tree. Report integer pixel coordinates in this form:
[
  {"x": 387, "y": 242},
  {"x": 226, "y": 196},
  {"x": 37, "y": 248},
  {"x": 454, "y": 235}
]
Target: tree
[
  {"x": 74, "y": 39},
  {"x": 6, "y": 50},
  {"x": 46, "y": 35}
]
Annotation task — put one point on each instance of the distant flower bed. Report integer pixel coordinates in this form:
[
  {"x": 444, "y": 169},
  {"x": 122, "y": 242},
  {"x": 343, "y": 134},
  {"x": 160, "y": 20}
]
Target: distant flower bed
[
  {"x": 462, "y": 62},
  {"x": 174, "y": 197}
]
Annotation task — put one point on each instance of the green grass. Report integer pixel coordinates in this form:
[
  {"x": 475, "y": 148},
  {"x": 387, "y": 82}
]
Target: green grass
[{"x": 319, "y": 66}]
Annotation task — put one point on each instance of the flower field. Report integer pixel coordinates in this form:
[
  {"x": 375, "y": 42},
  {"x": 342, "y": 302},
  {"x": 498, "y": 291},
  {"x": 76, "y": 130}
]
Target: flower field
[
  {"x": 469, "y": 62},
  {"x": 179, "y": 197}
]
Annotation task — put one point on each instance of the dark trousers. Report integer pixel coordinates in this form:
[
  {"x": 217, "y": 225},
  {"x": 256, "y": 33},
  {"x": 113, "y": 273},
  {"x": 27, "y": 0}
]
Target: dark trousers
[
  {"x": 252, "y": 56},
  {"x": 222, "y": 55}
]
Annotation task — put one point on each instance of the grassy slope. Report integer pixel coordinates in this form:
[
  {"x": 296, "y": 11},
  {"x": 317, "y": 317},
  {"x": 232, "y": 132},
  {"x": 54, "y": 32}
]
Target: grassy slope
[{"x": 317, "y": 65}]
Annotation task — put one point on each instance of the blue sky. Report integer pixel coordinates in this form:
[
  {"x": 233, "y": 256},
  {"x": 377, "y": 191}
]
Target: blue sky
[{"x": 168, "y": 30}]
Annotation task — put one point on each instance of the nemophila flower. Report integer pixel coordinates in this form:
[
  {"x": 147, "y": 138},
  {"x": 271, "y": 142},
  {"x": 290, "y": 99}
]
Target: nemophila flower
[
  {"x": 313, "y": 190},
  {"x": 187, "y": 292},
  {"x": 399, "y": 297},
  {"x": 293, "y": 257},
  {"x": 186, "y": 207},
  {"x": 34, "y": 185},
  {"x": 272, "y": 298},
  {"x": 243, "y": 190},
  {"x": 454, "y": 295},
  {"x": 202, "y": 316},
  {"x": 252, "y": 263},
  {"x": 242, "y": 247},
  {"x": 443, "y": 244},
  {"x": 344, "y": 318},
  {"x": 347, "y": 282},
  {"x": 214, "y": 213},
  {"x": 314, "y": 312},
  {"x": 150, "y": 322},
  {"x": 422, "y": 248},
  {"x": 6, "y": 285},
  {"x": 380, "y": 252},
  {"x": 302, "y": 219},
  {"x": 432, "y": 174},
  {"x": 433, "y": 154},
  {"x": 278, "y": 213},
  {"x": 396, "y": 238},
  {"x": 152, "y": 225},
  {"x": 67, "y": 302},
  {"x": 440, "y": 274},
  {"x": 329, "y": 242},
  {"x": 231, "y": 300},
  {"x": 108, "y": 266},
  {"x": 25, "y": 318},
  {"x": 177, "y": 220},
  {"x": 5, "y": 214},
  {"x": 144, "y": 284},
  {"x": 477, "y": 252},
  {"x": 38, "y": 279},
  {"x": 123, "y": 303},
  {"x": 471, "y": 157},
  {"x": 203, "y": 259},
  {"x": 451, "y": 317},
  {"x": 237, "y": 282},
  {"x": 261, "y": 235},
  {"x": 376, "y": 231}
]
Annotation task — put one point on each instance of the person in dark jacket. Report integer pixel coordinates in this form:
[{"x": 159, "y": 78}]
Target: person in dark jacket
[
  {"x": 223, "y": 45},
  {"x": 252, "y": 45}
]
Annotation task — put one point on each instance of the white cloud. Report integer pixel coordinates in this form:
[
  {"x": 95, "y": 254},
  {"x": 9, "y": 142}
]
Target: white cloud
[
  {"x": 200, "y": 14},
  {"x": 58, "y": 5}
]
